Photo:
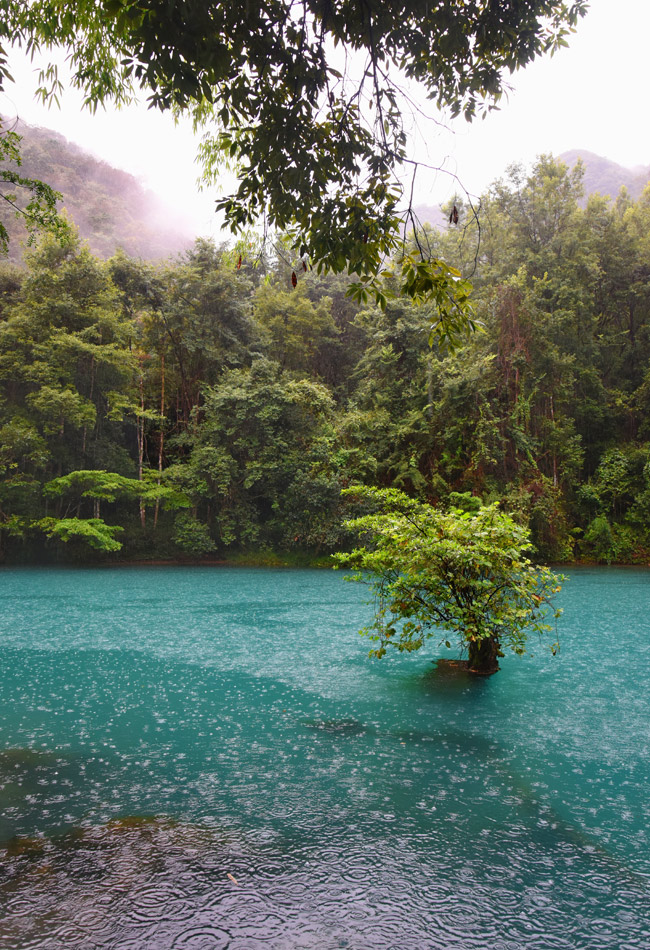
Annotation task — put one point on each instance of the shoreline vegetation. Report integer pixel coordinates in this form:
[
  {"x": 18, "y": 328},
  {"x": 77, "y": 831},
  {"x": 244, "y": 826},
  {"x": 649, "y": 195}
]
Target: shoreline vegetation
[
  {"x": 239, "y": 559},
  {"x": 270, "y": 559},
  {"x": 217, "y": 406}
]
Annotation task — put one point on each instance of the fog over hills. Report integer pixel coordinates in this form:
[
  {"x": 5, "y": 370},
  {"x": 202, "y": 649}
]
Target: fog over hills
[
  {"x": 601, "y": 176},
  {"x": 110, "y": 207},
  {"x": 605, "y": 177}
]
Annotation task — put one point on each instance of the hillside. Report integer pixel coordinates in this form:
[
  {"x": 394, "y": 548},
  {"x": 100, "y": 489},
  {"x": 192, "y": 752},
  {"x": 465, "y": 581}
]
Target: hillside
[
  {"x": 605, "y": 176},
  {"x": 602, "y": 176},
  {"x": 110, "y": 207}
]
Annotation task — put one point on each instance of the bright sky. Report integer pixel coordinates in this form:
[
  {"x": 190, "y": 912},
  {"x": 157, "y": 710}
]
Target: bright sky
[{"x": 591, "y": 96}]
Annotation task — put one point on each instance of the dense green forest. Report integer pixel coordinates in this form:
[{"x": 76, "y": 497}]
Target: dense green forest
[{"x": 207, "y": 406}]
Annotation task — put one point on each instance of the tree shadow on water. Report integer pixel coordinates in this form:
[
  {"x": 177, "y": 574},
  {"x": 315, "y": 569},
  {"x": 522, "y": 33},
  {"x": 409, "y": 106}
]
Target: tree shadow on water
[{"x": 453, "y": 678}]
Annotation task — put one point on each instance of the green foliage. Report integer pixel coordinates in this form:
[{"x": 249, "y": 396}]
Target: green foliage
[
  {"x": 616, "y": 481},
  {"x": 464, "y": 501},
  {"x": 298, "y": 329},
  {"x": 600, "y": 538},
  {"x": 134, "y": 391},
  {"x": 312, "y": 160},
  {"x": 440, "y": 573},
  {"x": 21, "y": 447},
  {"x": 110, "y": 487},
  {"x": 262, "y": 459},
  {"x": 30, "y": 199},
  {"x": 57, "y": 407},
  {"x": 92, "y": 531},
  {"x": 191, "y": 535}
]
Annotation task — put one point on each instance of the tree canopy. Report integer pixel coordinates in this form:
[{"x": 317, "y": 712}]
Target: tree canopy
[
  {"x": 259, "y": 401},
  {"x": 305, "y": 98},
  {"x": 461, "y": 573}
]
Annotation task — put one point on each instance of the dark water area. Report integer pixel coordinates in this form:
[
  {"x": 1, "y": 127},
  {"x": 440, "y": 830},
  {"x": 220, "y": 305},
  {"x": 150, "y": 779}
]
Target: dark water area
[{"x": 202, "y": 758}]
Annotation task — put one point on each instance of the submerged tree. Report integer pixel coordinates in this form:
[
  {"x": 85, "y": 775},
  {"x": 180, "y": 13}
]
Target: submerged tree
[{"x": 441, "y": 573}]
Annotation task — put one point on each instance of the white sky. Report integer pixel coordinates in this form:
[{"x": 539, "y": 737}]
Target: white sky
[{"x": 591, "y": 96}]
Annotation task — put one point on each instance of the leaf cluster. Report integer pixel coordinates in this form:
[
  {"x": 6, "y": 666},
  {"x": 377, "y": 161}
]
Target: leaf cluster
[{"x": 30, "y": 199}]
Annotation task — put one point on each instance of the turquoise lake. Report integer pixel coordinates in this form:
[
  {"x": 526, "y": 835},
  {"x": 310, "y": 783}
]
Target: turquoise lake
[{"x": 202, "y": 758}]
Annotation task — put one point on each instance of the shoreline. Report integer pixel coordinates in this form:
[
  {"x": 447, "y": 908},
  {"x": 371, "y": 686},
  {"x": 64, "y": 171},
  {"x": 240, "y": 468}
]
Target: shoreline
[
  {"x": 319, "y": 562},
  {"x": 273, "y": 561}
]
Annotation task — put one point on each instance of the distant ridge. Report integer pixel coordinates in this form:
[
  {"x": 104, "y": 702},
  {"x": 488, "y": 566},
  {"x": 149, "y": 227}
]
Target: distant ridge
[
  {"x": 110, "y": 207},
  {"x": 602, "y": 176},
  {"x": 605, "y": 177}
]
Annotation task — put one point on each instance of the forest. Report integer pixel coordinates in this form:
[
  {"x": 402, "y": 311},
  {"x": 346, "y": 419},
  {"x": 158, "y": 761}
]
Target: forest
[{"x": 215, "y": 405}]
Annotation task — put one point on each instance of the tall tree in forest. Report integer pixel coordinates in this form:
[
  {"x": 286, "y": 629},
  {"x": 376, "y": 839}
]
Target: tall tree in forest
[
  {"x": 297, "y": 329},
  {"x": 263, "y": 467},
  {"x": 64, "y": 351},
  {"x": 65, "y": 367}
]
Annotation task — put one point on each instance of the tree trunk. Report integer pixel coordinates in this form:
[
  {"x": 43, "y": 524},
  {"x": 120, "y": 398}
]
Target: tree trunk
[
  {"x": 161, "y": 441},
  {"x": 484, "y": 656},
  {"x": 141, "y": 449},
  {"x": 554, "y": 455},
  {"x": 430, "y": 393},
  {"x": 92, "y": 387}
]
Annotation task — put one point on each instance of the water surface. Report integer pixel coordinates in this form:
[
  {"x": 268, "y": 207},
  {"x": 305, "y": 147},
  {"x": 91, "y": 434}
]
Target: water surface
[{"x": 164, "y": 728}]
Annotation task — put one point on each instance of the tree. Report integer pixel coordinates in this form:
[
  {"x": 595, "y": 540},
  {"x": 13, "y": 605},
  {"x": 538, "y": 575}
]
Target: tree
[
  {"x": 98, "y": 487},
  {"x": 297, "y": 329},
  {"x": 454, "y": 572},
  {"x": 109, "y": 487},
  {"x": 263, "y": 463},
  {"x": 64, "y": 352},
  {"x": 91, "y": 531},
  {"x": 388, "y": 415},
  {"x": 319, "y": 152}
]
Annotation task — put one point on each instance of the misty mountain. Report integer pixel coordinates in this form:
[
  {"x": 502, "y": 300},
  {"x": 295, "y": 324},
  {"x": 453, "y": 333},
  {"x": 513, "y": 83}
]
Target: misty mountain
[
  {"x": 602, "y": 176},
  {"x": 110, "y": 208},
  {"x": 606, "y": 177}
]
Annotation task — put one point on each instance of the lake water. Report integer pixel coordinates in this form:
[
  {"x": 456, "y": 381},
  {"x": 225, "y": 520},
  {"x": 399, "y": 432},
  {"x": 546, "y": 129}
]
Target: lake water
[{"x": 207, "y": 758}]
